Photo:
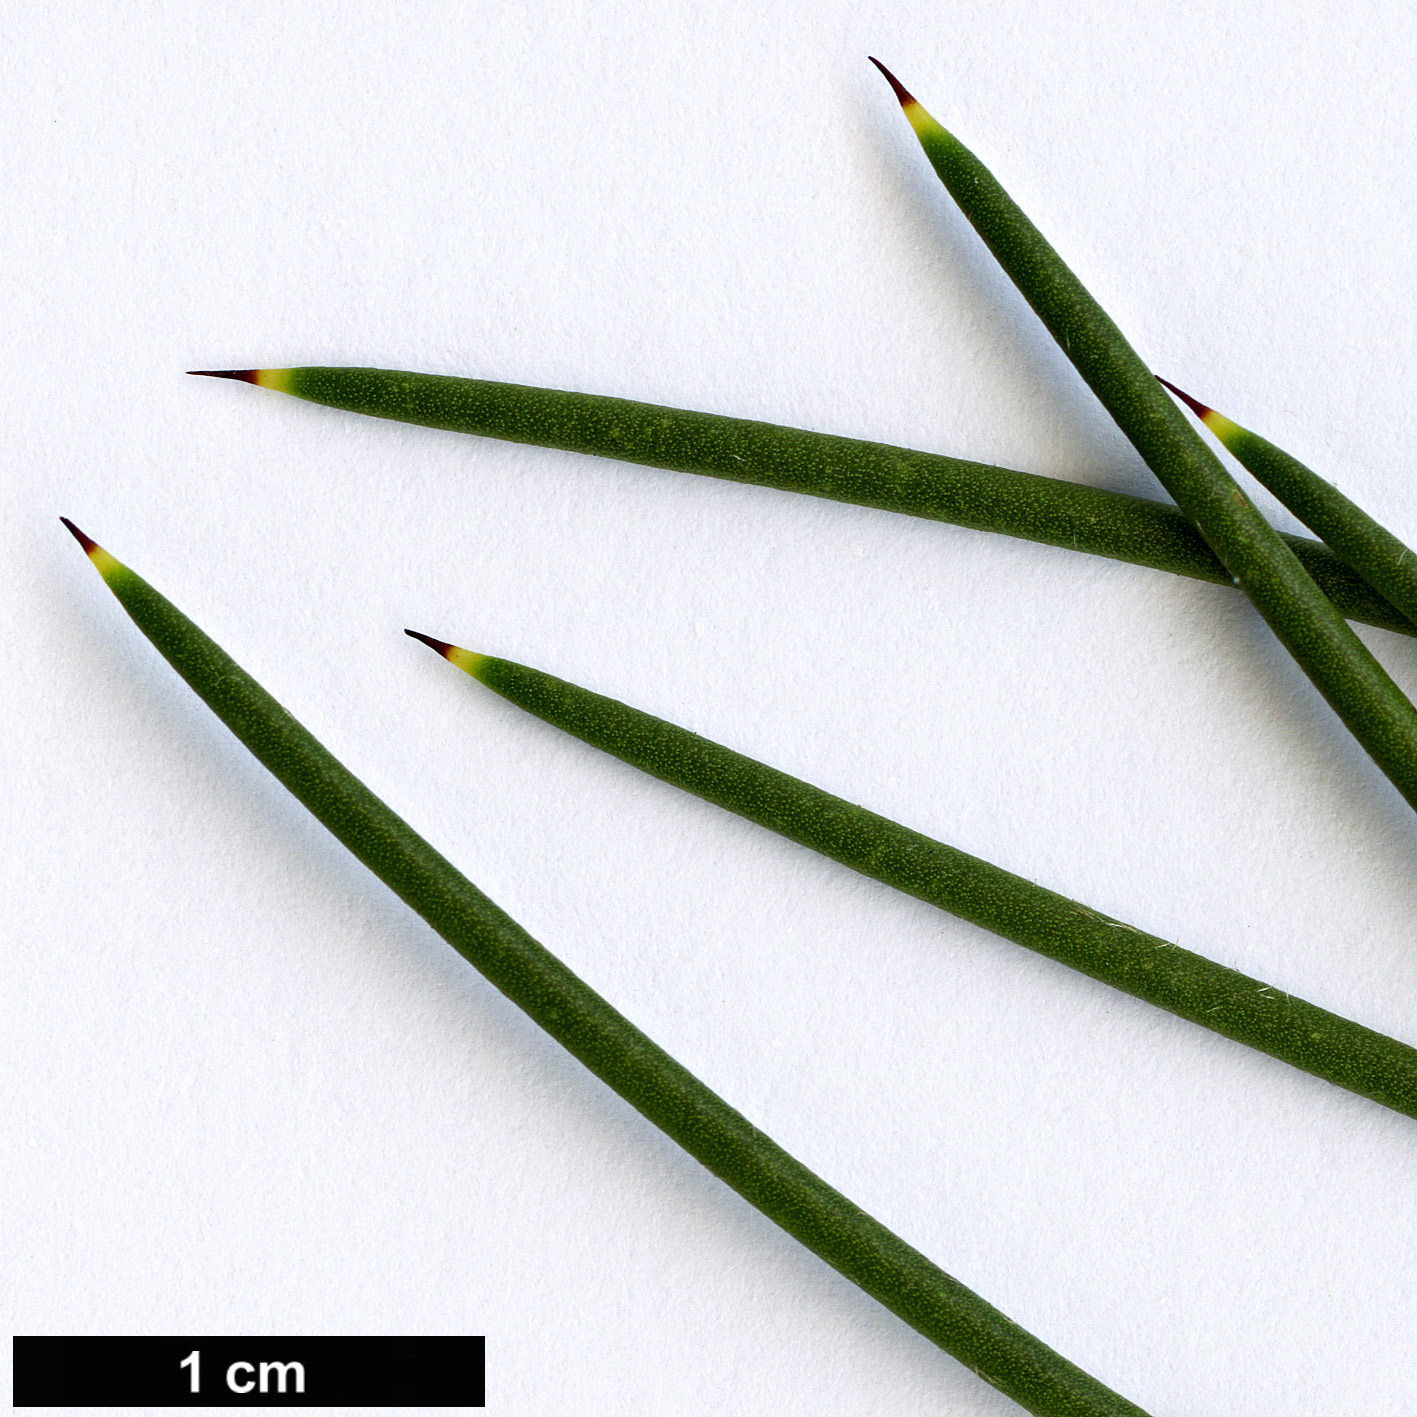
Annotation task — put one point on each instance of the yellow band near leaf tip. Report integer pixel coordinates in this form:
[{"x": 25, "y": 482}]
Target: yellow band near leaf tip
[
  {"x": 106, "y": 565},
  {"x": 1221, "y": 426},
  {"x": 466, "y": 660},
  {"x": 921, "y": 122}
]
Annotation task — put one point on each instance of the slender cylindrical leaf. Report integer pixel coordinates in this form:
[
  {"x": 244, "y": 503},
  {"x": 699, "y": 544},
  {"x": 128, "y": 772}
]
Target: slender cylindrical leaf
[
  {"x": 1198, "y": 989},
  {"x": 848, "y": 1239},
  {"x": 1336, "y": 661},
  {"x": 1366, "y": 545},
  {"x": 969, "y": 494}
]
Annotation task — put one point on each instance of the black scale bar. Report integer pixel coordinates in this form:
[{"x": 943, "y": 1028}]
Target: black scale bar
[{"x": 249, "y": 1372}]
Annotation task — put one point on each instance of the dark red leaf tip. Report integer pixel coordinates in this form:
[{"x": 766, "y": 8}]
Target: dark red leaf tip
[
  {"x": 900, "y": 90},
  {"x": 442, "y": 646},
  {"x": 1195, "y": 405},
  {"x": 89, "y": 545},
  {"x": 245, "y": 375}
]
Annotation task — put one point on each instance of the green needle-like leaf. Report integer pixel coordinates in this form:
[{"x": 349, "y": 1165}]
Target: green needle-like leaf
[
  {"x": 1336, "y": 661},
  {"x": 1364, "y": 544},
  {"x": 848, "y": 1239},
  {"x": 1220, "y": 999},
  {"x": 968, "y": 494}
]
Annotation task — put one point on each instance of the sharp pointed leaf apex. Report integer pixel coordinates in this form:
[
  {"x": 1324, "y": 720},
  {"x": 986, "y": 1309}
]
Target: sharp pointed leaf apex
[
  {"x": 87, "y": 542},
  {"x": 249, "y": 376},
  {"x": 442, "y": 646},
  {"x": 101, "y": 561},
  {"x": 900, "y": 90},
  {"x": 459, "y": 658},
  {"x": 1195, "y": 405}
]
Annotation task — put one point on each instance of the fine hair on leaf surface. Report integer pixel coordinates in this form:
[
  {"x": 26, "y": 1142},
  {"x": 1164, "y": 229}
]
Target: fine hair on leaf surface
[
  {"x": 1357, "y": 539},
  {"x": 720, "y": 1138},
  {"x": 954, "y": 490},
  {"x": 1220, "y": 999},
  {"x": 1338, "y": 664}
]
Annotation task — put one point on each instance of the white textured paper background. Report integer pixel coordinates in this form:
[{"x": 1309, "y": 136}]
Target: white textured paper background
[{"x": 248, "y": 1092}]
